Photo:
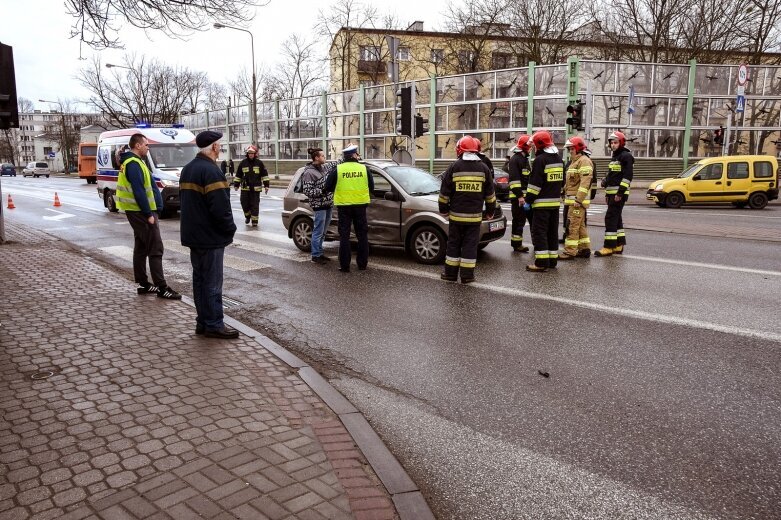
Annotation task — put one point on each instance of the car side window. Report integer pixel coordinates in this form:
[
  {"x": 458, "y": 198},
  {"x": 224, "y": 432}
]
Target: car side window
[
  {"x": 763, "y": 170},
  {"x": 381, "y": 185},
  {"x": 737, "y": 170},
  {"x": 712, "y": 172}
]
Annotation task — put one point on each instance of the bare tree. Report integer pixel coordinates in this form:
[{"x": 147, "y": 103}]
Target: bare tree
[
  {"x": 149, "y": 91},
  {"x": 98, "y": 22},
  {"x": 298, "y": 74},
  {"x": 475, "y": 26},
  {"x": 546, "y": 29}
]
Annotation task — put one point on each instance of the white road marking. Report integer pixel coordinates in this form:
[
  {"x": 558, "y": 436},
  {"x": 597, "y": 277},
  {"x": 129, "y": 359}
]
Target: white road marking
[
  {"x": 69, "y": 204},
  {"x": 234, "y": 262},
  {"x": 61, "y": 215},
  {"x": 287, "y": 254},
  {"x": 703, "y": 265}
]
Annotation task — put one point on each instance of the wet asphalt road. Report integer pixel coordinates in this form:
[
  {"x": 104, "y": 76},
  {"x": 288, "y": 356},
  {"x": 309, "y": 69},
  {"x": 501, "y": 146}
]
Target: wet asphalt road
[{"x": 643, "y": 386}]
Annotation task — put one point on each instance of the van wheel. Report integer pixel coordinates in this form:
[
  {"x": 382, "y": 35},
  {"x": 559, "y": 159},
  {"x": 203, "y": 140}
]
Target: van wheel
[
  {"x": 757, "y": 200},
  {"x": 427, "y": 245},
  {"x": 109, "y": 202},
  {"x": 675, "y": 200},
  {"x": 302, "y": 234},
  {"x": 661, "y": 205}
]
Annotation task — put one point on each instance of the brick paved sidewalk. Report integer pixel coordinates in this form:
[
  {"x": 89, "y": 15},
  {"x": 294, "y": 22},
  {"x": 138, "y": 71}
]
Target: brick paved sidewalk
[{"x": 141, "y": 418}]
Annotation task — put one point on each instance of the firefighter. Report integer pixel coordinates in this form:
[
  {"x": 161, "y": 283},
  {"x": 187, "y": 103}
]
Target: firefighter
[
  {"x": 544, "y": 195},
  {"x": 576, "y": 198},
  {"x": 467, "y": 185},
  {"x": 519, "y": 169},
  {"x": 617, "y": 181},
  {"x": 251, "y": 177}
]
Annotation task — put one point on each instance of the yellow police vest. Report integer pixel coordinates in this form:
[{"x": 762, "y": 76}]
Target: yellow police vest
[
  {"x": 125, "y": 199},
  {"x": 352, "y": 184}
]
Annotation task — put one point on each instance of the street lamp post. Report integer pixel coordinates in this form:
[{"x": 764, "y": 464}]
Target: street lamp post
[
  {"x": 254, "y": 118},
  {"x": 64, "y": 137}
]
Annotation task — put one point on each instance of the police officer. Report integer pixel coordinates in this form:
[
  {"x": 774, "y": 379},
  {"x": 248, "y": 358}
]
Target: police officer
[
  {"x": 519, "y": 169},
  {"x": 544, "y": 195},
  {"x": 352, "y": 185},
  {"x": 576, "y": 198},
  {"x": 252, "y": 177},
  {"x": 466, "y": 185},
  {"x": 617, "y": 182}
]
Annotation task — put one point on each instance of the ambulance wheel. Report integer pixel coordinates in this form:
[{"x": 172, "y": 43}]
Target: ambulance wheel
[
  {"x": 757, "y": 200},
  {"x": 427, "y": 245},
  {"x": 302, "y": 233},
  {"x": 109, "y": 202},
  {"x": 675, "y": 200}
]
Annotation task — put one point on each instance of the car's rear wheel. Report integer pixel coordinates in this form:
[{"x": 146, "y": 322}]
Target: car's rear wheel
[
  {"x": 757, "y": 200},
  {"x": 302, "y": 233},
  {"x": 109, "y": 202},
  {"x": 675, "y": 200},
  {"x": 427, "y": 245}
]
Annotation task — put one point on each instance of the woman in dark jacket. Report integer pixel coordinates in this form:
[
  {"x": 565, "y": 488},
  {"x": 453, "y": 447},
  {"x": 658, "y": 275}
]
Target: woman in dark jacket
[{"x": 321, "y": 202}]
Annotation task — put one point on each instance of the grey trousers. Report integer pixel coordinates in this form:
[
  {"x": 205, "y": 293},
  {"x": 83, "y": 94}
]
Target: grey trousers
[{"x": 148, "y": 244}]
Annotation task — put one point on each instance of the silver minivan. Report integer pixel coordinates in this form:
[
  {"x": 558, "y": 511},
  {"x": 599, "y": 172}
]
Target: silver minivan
[
  {"x": 36, "y": 169},
  {"x": 403, "y": 212}
]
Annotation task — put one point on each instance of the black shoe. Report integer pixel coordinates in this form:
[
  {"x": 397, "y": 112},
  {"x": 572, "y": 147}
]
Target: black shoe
[
  {"x": 246, "y": 220},
  {"x": 200, "y": 330},
  {"x": 326, "y": 258},
  {"x": 168, "y": 293},
  {"x": 448, "y": 278},
  {"x": 224, "y": 333},
  {"x": 467, "y": 280},
  {"x": 319, "y": 260},
  {"x": 254, "y": 224},
  {"x": 344, "y": 269},
  {"x": 520, "y": 249},
  {"x": 584, "y": 253},
  {"x": 147, "y": 288},
  {"x": 361, "y": 267}
]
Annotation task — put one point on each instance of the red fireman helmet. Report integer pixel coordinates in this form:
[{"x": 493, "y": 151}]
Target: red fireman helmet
[
  {"x": 542, "y": 140},
  {"x": 577, "y": 144},
  {"x": 250, "y": 149},
  {"x": 617, "y": 136},
  {"x": 524, "y": 143},
  {"x": 467, "y": 144}
]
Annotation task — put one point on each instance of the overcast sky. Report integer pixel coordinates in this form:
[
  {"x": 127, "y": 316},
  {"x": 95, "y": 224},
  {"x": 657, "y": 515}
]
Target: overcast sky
[{"x": 47, "y": 60}]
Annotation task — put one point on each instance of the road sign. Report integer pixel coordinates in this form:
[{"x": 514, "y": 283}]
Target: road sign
[
  {"x": 742, "y": 74},
  {"x": 52, "y": 155},
  {"x": 740, "y": 103}
]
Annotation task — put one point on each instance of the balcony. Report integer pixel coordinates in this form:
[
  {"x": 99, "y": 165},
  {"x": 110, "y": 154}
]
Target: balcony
[{"x": 372, "y": 66}]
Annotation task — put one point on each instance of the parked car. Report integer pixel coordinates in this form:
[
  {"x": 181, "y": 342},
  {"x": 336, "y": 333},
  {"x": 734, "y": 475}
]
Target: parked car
[
  {"x": 403, "y": 212},
  {"x": 36, "y": 169},
  {"x": 7, "y": 169},
  {"x": 738, "y": 179},
  {"x": 502, "y": 185}
]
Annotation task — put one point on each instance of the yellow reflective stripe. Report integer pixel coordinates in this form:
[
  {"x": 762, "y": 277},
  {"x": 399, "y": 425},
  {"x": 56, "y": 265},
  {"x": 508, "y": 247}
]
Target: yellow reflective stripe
[
  {"x": 540, "y": 254},
  {"x": 443, "y": 199},
  {"x": 583, "y": 190},
  {"x": 513, "y": 195},
  {"x": 456, "y": 218},
  {"x": 531, "y": 188},
  {"x": 569, "y": 202},
  {"x": 586, "y": 240},
  {"x": 449, "y": 260},
  {"x": 468, "y": 264},
  {"x": 515, "y": 184},
  {"x": 490, "y": 199},
  {"x": 191, "y": 186},
  {"x": 216, "y": 186},
  {"x": 570, "y": 242},
  {"x": 469, "y": 178},
  {"x": 611, "y": 191}
]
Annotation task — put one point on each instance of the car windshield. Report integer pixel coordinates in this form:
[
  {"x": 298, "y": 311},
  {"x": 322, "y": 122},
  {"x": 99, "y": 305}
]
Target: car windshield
[
  {"x": 172, "y": 155},
  {"x": 414, "y": 181},
  {"x": 690, "y": 171}
]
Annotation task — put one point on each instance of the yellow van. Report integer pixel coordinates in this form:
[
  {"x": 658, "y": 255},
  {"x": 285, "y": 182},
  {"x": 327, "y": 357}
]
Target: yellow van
[{"x": 739, "y": 179}]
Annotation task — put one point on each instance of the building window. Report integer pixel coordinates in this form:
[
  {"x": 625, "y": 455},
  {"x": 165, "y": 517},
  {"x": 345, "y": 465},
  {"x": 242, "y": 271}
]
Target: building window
[
  {"x": 369, "y": 53},
  {"x": 501, "y": 60},
  {"x": 437, "y": 56},
  {"x": 466, "y": 57},
  {"x": 404, "y": 54}
]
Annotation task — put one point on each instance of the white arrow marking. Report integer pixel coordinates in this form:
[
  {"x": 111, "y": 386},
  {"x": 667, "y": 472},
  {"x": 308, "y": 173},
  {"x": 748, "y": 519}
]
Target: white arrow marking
[{"x": 61, "y": 215}]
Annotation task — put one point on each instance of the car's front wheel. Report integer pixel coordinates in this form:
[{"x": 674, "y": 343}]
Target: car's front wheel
[
  {"x": 302, "y": 233},
  {"x": 427, "y": 245},
  {"x": 675, "y": 200}
]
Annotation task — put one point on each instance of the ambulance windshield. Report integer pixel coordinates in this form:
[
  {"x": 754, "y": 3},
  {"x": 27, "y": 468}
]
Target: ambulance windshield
[{"x": 172, "y": 155}]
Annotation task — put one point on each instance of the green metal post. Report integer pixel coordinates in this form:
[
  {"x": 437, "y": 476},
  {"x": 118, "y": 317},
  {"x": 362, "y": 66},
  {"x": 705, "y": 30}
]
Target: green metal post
[
  {"x": 276, "y": 139},
  {"x": 324, "y": 123},
  {"x": 530, "y": 102},
  {"x": 432, "y": 124},
  {"x": 573, "y": 65},
  {"x": 361, "y": 119},
  {"x": 687, "y": 132}
]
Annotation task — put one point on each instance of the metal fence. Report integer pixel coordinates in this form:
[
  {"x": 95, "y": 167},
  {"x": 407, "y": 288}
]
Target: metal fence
[{"x": 667, "y": 111}]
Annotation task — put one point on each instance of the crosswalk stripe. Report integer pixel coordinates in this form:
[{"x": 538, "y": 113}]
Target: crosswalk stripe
[{"x": 234, "y": 262}]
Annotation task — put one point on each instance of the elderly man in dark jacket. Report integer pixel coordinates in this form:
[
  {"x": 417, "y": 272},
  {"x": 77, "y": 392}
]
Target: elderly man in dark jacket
[
  {"x": 206, "y": 228},
  {"x": 321, "y": 202}
]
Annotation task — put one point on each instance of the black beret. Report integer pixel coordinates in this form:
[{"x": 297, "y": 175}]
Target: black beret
[{"x": 206, "y": 138}]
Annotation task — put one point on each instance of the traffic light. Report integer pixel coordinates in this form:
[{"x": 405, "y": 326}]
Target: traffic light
[
  {"x": 575, "y": 120},
  {"x": 718, "y": 135},
  {"x": 421, "y": 125},
  {"x": 9, "y": 110},
  {"x": 404, "y": 111}
]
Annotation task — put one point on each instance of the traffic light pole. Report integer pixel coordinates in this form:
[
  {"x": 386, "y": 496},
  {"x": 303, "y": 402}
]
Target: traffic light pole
[{"x": 413, "y": 102}]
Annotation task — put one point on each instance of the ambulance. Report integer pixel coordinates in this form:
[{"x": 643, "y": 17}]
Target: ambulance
[{"x": 170, "y": 148}]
